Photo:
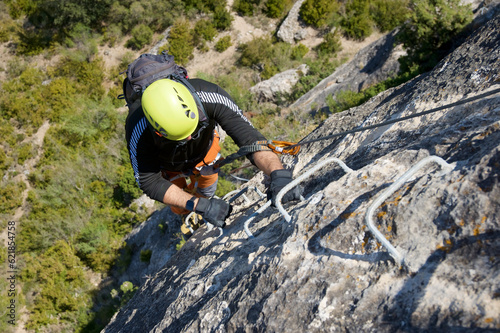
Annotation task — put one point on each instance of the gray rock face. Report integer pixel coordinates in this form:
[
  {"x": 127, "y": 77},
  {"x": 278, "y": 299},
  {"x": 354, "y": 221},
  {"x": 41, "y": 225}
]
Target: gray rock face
[
  {"x": 373, "y": 64},
  {"x": 324, "y": 271},
  {"x": 279, "y": 85},
  {"x": 290, "y": 30}
]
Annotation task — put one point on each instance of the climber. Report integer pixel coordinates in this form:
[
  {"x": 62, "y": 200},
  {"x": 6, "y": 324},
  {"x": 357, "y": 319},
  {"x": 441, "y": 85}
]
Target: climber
[{"x": 170, "y": 138}]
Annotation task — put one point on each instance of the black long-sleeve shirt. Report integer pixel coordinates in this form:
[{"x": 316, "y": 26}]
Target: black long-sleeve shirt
[{"x": 149, "y": 154}]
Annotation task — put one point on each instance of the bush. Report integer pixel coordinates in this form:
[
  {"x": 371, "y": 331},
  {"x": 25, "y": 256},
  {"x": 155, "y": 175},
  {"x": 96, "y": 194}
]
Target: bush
[
  {"x": 299, "y": 51},
  {"x": 357, "y": 23},
  {"x": 145, "y": 255},
  {"x": 222, "y": 18},
  {"x": 141, "y": 36},
  {"x": 24, "y": 152},
  {"x": 223, "y": 44},
  {"x": 389, "y": 14},
  {"x": 318, "y": 13},
  {"x": 277, "y": 8},
  {"x": 180, "y": 41},
  {"x": 430, "y": 31},
  {"x": 205, "y": 29},
  {"x": 330, "y": 45},
  {"x": 112, "y": 35},
  {"x": 246, "y": 7},
  {"x": 256, "y": 51}
]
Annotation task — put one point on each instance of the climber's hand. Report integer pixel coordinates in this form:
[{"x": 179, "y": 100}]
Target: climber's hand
[
  {"x": 214, "y": 210},
  {"x": 279, "y": 179}
]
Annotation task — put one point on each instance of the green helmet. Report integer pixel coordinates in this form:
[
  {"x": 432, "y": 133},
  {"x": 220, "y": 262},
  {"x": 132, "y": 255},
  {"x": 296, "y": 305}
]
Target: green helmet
[{"x": 170, "y": 109}]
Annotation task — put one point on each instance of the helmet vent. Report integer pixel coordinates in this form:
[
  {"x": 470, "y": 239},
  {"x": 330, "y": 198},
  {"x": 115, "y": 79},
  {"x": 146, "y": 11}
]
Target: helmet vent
[{"x": 180, "y": 98}]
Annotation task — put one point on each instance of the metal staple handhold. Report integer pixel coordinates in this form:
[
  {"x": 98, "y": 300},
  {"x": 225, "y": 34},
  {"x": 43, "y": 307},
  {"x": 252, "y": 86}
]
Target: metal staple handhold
[
  {"x": 287, "y": 188},
  {"x": 398, "y": 257},
  {"x": 305, "y": 175},
  {"x": 253, "y": 216}
]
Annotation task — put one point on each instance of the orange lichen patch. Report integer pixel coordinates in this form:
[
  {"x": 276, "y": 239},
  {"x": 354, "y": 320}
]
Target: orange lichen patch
[
  {"x": 448, "y": 245},
  {"x": 389, "y": 228},
  {"x": 345, "y": 216},
  {"x": 381, "y": 214},
  {"x": 475, "y": 232},
  {"x": 483, "y": 219},
  {"x": 462, "y": 223},
  {"x": 488, "y": 320}
]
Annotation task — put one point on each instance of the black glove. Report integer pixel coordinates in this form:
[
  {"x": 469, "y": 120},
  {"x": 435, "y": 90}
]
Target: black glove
[
  {"x": 279, "y": 179},
  {"x": 215, "y": 211}
]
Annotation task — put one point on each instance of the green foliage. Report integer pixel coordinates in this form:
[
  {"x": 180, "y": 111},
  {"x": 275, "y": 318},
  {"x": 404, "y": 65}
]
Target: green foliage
[
  {"x": 206, "y": 29},
  {"x": 81, "y": 38},
  {"x": 277, "y": 8},
  {"x": 318, "y": 70},
  {"x": 256, "y": 51},
  {"x": 223, "y": 44},
  {"x": 389, "y": 14},
  {"x": 430, "y": 31},
  {"x": 10, "y": 196},
  {"x": 318, "y": 13},
  {"x": 22, "y": 98},
  {"x": 180, "y": 41},
  {"x": 8, "y": 26},
  {"x": 204, "y": 6},
  {"x": 299, "y": 51},
  {"x": 246, "y": 7},
  {"x": 146, "y": 255},
  {"x": 181, "y": 243},
  {"x": 330, "y": 45},
  {"x": 63, "y": 287},
  {"x": 222, "y": 18},
  {"x": 25, "y": 151},
  {"x": 357, "y": 23},
  {"x": 141, "y": 36}
]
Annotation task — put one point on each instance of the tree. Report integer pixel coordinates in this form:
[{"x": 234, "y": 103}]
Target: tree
[
  {"x": 430, "y": 30},
  {"x": 180, "y": 41},
  {"x": 318, "y": 13}
]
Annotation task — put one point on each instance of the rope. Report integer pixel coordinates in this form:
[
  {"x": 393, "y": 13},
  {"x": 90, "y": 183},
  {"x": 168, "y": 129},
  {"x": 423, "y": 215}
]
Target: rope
[
  {"x": 289, "y": 148},
  {"x": 393, "y": 121}
]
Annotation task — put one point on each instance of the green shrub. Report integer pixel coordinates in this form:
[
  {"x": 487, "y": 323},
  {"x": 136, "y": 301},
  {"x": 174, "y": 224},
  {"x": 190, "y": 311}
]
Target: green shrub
[
  {"x": 223, "y": 44},
  {"x": 430, "y": 31},
  {"x": 357, "y": 23},
  {"x": 299, "y": 51},
  {"x": 141, "y": 36},
  {"x": 277, "y": 8},
  {"x": 10, "y": 194},
  {"x": 206, "y": 29},
  {"x": 222, "y": 18},
  {"x": 112, "y": 35},
  {"x": 145, "y": 255},
  {"x": 256, "y": 51},
  {"x": 389, "y": 14},
  {"x": 246, "y": 7},
  {"x": 63, "y": 293},
  {"x": 180, "y": 41},
  {"x": 330, "y": 45},
  {"x": 318, "y": 13},
  {"x": 24, "y": 152}
]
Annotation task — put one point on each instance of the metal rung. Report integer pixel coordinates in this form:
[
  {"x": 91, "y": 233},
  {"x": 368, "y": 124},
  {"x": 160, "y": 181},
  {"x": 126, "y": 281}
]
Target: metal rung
[
  {"x": 299, "y": 179},
  {"x": 398, "y": 257},
  {"x": 290, "y": 186}
]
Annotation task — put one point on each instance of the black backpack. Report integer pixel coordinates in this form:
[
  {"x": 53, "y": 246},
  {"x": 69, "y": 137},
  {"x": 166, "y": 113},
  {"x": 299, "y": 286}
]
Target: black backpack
[{"x": 147, "y": 69}]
